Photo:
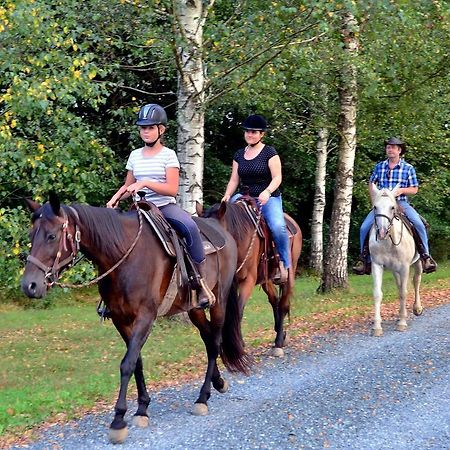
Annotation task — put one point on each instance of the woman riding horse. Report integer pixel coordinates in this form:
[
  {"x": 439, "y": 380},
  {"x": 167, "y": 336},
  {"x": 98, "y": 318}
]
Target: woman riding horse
[{"x": 155, "y": 169}]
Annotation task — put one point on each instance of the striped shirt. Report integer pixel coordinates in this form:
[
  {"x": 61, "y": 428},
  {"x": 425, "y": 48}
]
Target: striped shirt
[
  {"x": 403, "y": 174},
  {"x": 153, "y": 168}
]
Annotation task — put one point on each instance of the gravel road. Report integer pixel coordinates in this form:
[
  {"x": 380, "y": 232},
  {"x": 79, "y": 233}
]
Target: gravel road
[{"x": 349, "y": 391}]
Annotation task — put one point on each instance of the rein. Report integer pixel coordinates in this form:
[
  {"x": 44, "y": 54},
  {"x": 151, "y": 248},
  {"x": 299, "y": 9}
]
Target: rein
[
  {"x": 252, "y": 242},
  {"x": 52, "y": 273}
]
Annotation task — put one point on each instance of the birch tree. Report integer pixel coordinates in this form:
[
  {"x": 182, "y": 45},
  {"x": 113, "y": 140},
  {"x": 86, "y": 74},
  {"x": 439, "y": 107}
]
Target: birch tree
[
  {"x": 335, "y": 272},
  {"x": 316, "y": 259},
  {"x": 190, "y": 16}
]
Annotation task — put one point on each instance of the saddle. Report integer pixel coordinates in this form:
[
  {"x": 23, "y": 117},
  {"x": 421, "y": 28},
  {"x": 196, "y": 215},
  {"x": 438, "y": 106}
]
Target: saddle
[
  {"x": 174, "y": 245},
  {"x": 270, "y": 252},
  {"x": 412, "y": 229}
]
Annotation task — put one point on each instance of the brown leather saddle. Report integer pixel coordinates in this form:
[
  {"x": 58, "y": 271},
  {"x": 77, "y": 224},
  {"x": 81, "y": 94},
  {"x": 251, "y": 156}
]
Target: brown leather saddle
[
  {"x": 270, "y": 258},
  {"x": 173, "y": 243}
]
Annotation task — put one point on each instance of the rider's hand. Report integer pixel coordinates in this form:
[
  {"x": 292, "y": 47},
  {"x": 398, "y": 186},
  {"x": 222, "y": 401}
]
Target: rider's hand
[
  {"x": 264, "y": 197},
  {"x": 112, "y": 203},
  {"x": 225, "y": 198},
  {"x": 134, "y": 187}
]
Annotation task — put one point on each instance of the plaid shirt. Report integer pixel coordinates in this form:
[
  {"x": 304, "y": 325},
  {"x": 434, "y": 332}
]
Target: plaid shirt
[{"x": 403, "y": 173}]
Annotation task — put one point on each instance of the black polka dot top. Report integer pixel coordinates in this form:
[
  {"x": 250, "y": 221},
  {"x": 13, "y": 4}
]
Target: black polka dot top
[{"x": 255, "y": 173}]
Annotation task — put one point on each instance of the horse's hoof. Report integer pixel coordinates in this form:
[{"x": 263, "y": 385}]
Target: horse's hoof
[
  {"x": 418, "y": 311},
  {"x": 118, "y": 436},
  {"x": 401, "y": 327},
  {"x": 140, "y": 421},
  {"x": 277, "y": 352},
  {"x": 224, "y": 388},
  {"x": 377, "y": 332},
  {"x": 200, "y": 409}
]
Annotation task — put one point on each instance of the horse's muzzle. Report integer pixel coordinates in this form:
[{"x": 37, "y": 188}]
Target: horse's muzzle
[{"x": 34, "y": 287}]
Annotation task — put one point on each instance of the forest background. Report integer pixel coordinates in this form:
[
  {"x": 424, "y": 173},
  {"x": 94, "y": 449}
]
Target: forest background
[{"x": 74, "y": 74}]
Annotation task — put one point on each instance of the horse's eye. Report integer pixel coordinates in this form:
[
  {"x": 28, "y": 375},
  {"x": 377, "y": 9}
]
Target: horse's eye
[{"x": 51, "y": 237}]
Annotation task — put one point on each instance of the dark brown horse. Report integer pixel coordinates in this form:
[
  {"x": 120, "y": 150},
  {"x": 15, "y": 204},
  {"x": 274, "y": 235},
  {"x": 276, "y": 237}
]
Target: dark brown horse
[
  {"x": 134, "y": 291},
  {"x": 251, "y": 271}
]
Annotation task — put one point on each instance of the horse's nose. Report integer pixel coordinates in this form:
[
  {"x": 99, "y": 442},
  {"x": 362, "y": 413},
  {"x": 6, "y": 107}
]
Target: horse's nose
[{"x": 31, "y": 289}]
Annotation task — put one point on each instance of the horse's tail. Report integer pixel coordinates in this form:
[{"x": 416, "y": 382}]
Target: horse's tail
[{"x": 232, "y": 349}]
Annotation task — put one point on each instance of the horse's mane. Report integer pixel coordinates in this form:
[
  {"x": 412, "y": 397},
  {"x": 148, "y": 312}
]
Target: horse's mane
[
  {"x": 105, "y": 229},
  {"x": 238, "y": 221}
]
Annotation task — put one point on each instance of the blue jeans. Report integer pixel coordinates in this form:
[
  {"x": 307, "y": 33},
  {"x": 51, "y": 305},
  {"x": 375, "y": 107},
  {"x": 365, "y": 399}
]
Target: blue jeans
[
  {"x": 412, "y": 215},
  {"x": 185, "y": 225},
  {"x": 272, "y": 212}
]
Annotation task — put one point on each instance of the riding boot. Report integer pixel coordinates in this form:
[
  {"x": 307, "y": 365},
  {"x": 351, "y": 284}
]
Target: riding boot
[
  {"x": 428, "y": 263},
  {"x": 205, "y": 297},
  {"x": 363, "y": 266}
]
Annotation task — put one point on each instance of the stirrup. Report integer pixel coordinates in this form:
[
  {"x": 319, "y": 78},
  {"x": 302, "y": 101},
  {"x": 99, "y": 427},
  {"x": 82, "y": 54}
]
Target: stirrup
[
  {"x": 103, "y": 311},
  {"x": 281, "y": 275},
  {"x": 209, "y": 300}
]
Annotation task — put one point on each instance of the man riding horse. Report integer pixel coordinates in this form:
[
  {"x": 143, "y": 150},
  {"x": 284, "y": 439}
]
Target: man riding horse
[{"x": 392, "y": 172}]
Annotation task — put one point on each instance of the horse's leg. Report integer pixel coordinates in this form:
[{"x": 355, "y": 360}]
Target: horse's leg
[
  {"x": 280, "y": 307},
  {"x": 417, "y": 308},
  {"x": 118, "y": 429},
  {"x": 246, "y": 287},
  {"x": 402, "y": 284},
  {"x": 377, "y": 275},
  {"x": 211, "y": 340},
  {"x": 140, "y": 419}
]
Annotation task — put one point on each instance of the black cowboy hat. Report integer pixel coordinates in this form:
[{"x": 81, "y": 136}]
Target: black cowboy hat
[{"x": 396, "y": 141}]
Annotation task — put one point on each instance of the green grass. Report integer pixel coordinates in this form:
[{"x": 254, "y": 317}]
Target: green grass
[{"x": 61, "y": 360}]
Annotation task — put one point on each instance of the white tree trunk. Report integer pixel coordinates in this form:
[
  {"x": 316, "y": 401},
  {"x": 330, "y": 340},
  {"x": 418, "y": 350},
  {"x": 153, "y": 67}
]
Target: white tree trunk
[
  {"x": 335, "y": 264},
  {"x": 190, "y": 16},
  {"x": 319, "y": 202}
]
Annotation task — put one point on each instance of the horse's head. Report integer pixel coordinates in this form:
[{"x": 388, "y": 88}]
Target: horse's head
[
  {"x": 385, "y": 210},
  {"x": 216, "y": 211},
  {"x": 50, "y": 251}
]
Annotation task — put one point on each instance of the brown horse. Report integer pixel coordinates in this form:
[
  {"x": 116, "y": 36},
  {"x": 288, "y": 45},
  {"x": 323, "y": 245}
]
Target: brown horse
[
  {"x": 252, "y": 266},
  {"x": 135, "y": 290}
]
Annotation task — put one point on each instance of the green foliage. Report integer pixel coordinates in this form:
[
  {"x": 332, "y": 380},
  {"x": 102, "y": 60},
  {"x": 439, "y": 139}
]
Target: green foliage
[{"x": 73, "y": 74}]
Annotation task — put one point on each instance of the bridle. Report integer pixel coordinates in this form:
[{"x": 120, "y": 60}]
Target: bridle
[
  {"x": 51, "y": 274},
  {"x": 391, "y": 222},
  {"x": 67, "y": 239}
]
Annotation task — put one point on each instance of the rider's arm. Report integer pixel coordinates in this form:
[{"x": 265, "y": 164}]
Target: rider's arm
[
  {"x": 122, "y": 192},
  {"x": 412, "y": 190},
  {"x": 233, "y": 183},
  {"x": 275, "y": 171},
  {"x": 170, "y": 187}
]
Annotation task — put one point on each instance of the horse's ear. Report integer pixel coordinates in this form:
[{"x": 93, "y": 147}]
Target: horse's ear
[
  {"x": 32, "y": 205},
  {"x": 198, "y": 208},
  {"x": 222, "y": 209},
  {"x": 54, "y": 202},
  {"x": 395, "y": 192}
]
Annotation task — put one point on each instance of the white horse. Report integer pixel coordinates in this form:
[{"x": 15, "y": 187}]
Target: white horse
[{"x": 392, "y": 246}]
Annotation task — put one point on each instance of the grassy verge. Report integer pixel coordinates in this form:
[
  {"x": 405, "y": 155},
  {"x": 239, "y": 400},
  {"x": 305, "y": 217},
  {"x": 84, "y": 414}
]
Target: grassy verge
[{"x": 60, "y": 361}]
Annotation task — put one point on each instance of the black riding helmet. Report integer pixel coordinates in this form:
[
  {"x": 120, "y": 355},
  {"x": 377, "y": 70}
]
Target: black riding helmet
[
  {"x": 396, "y": 141},
  {"x": 255, "y": 122},
  {"x": 151, "y": 114}
]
